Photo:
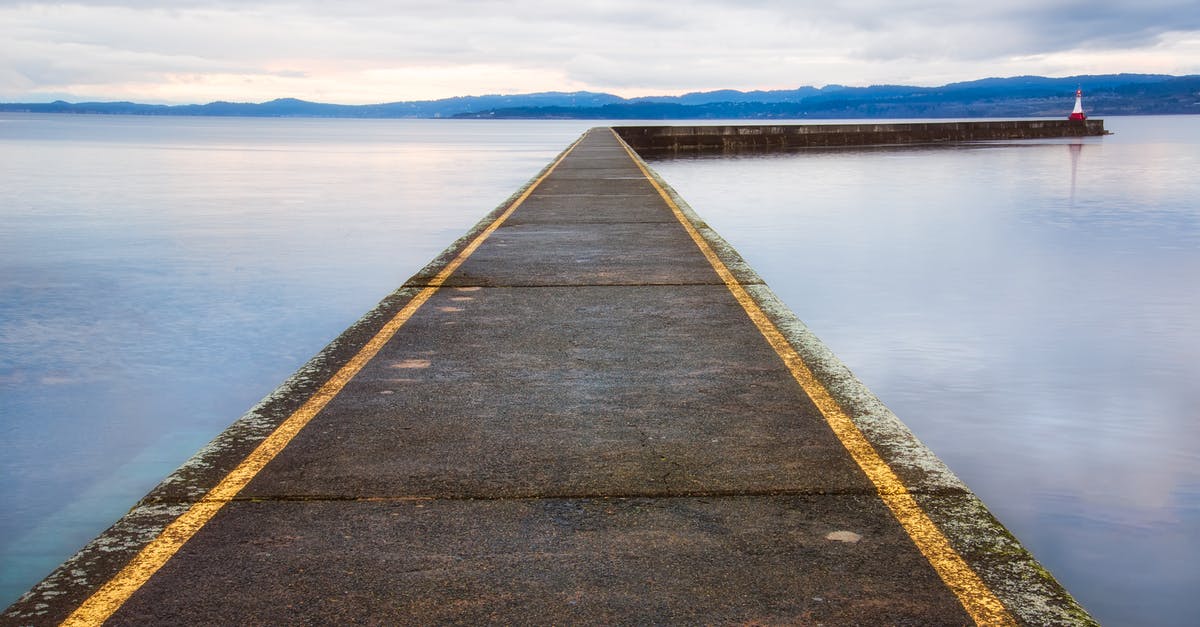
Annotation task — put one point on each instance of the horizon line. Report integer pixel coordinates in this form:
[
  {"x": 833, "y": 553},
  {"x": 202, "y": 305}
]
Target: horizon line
[{"x": 633, "y": 99}]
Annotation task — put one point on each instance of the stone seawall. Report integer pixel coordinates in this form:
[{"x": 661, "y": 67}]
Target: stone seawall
[{"x": 771, "y": 138}]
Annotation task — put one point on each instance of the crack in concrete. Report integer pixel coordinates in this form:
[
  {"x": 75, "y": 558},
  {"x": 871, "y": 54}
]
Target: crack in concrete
[
  {"x": 667, "y": 493},
  {"x": 579, "y": 285}
]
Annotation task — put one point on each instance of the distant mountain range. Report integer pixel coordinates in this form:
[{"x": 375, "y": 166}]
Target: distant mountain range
[{"x": 1021, "y": 96}]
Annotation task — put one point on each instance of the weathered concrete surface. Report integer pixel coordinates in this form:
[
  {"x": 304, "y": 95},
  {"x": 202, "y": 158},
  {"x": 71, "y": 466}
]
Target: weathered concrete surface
[
  {"x": 759, "y": 560},
  {"x": 582, "y": 427},
  {"x": 773, "y": 138}
]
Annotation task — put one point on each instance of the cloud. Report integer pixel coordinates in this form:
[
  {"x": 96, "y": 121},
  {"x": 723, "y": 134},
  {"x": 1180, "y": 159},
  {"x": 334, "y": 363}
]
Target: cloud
[{"x": 373, "y": 51}]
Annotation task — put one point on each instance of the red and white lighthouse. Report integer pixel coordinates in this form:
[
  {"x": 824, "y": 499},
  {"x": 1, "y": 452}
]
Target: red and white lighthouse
[{"x": 1077, "y": 112}]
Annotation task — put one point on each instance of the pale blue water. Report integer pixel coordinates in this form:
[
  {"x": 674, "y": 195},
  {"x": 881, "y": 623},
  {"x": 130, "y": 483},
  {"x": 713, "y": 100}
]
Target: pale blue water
[{"x": 1029, "y": 310}]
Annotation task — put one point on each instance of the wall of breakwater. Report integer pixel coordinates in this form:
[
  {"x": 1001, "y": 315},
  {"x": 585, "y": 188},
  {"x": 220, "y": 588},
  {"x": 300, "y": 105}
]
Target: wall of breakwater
[{"x": 769, "y": 138}]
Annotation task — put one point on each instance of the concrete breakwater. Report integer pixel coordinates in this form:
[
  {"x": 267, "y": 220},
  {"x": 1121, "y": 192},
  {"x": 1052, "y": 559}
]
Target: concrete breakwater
[
  {"x": 648, "y": 140},
  {"x": 589, "y": 409}
]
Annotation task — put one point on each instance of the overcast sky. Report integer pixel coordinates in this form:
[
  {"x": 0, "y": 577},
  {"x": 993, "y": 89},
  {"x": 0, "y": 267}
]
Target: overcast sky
[{"x": 369, "y": 51}]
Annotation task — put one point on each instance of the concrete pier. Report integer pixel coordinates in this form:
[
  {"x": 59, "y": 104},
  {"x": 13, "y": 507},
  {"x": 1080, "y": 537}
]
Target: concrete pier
[{"x": 587, "y": 410}]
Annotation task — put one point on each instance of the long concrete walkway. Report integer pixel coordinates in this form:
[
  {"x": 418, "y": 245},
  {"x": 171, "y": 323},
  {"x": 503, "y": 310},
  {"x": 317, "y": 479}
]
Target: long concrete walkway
[{"x": 588, "y": 410}]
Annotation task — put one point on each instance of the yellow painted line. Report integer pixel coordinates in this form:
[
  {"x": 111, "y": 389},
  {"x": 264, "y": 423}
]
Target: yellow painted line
[
  {"x": 977, "y": 599},
  {"x": 114, "y": 593}
]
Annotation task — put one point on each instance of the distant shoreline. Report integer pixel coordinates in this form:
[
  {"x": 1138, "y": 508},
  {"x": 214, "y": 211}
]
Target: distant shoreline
[{"x": 1016, "y": 97}]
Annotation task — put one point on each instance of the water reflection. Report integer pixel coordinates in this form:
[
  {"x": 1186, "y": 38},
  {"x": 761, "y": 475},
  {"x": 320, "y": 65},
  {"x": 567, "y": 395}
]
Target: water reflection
[
  {"x": 1076, "y": 149},
  {"x": 1029, "y": 310}
]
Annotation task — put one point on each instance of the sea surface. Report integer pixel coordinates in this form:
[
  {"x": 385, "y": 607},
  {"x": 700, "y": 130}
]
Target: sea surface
[{"x": 1030, "y": 309}]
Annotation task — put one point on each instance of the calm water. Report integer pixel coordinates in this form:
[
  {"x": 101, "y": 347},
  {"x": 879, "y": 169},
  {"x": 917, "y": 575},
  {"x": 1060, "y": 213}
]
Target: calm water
[{"x": 1029, "y": 310}]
